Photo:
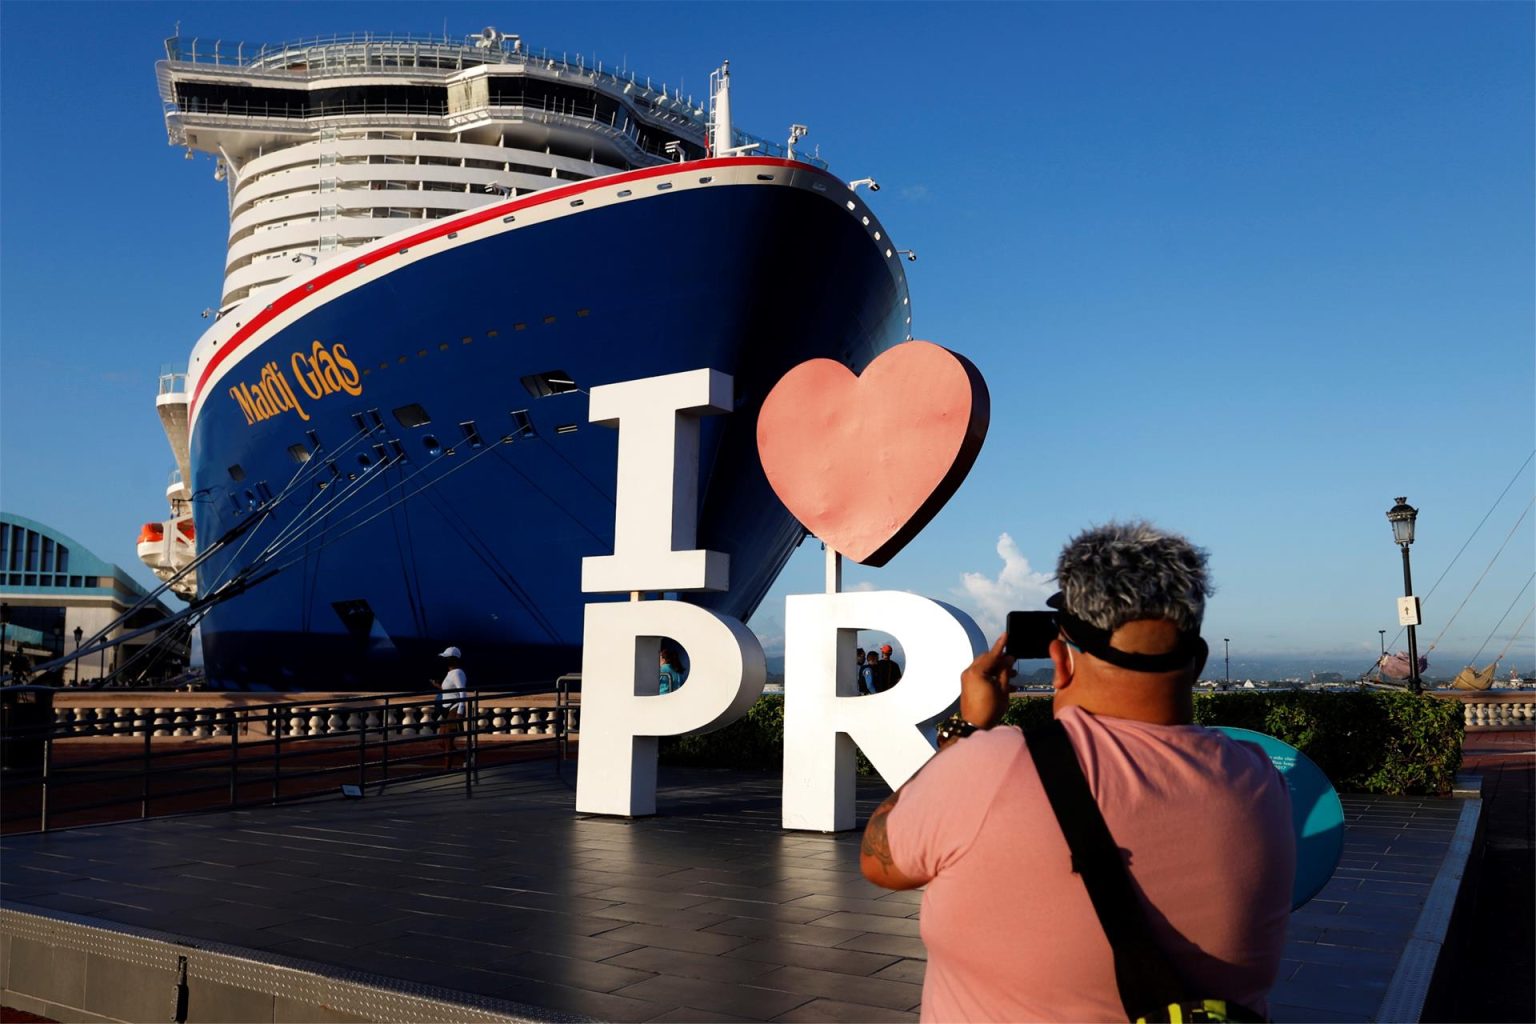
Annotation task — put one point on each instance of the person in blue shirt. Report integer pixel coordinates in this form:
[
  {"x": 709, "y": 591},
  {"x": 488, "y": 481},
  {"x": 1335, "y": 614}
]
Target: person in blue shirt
[
  {"x": 868, "y": 672},
  {"x": 671, "y": 670}
]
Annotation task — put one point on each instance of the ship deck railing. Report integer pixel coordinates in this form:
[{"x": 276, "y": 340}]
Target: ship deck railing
[
  {"x": 138, "y": 754},
  {"x": 369, "y": 54}
]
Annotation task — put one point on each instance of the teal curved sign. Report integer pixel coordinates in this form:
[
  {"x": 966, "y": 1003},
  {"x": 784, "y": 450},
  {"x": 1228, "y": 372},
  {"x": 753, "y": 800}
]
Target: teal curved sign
[{"x": 1316, "y": 813}]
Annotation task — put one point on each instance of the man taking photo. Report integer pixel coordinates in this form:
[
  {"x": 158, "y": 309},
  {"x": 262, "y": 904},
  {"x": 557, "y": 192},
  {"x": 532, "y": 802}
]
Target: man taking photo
[{"x": 1201, "y": 821}]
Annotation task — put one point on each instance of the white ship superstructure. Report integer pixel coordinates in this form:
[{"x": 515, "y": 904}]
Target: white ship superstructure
[{"x": 331, "y": 144}]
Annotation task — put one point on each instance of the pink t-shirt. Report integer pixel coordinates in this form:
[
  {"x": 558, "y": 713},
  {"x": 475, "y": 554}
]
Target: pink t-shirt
[{"x": 1010, "y": 931}]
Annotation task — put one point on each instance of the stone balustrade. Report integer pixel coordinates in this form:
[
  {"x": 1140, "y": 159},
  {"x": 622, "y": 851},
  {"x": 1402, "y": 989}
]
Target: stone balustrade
[
  {"x": 1484, "y": 710},
  {"x": 209, "y": 718}
]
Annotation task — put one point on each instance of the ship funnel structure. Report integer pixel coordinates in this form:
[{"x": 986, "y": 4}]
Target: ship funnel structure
[{"x": 720, "y": 110}]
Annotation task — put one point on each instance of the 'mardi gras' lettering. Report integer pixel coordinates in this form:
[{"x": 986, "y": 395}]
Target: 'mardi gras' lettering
[{"x": 323, "y": 371}]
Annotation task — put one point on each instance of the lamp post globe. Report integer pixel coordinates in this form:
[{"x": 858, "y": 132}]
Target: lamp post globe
[{"x": 1402, "y": 517}]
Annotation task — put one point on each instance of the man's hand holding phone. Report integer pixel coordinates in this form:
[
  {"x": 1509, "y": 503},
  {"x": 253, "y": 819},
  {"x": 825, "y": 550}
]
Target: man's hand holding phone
[{"x": 984, "y": 686}]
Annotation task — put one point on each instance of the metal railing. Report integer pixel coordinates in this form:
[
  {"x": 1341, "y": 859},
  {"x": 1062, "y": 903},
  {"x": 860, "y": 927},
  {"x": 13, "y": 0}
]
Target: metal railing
[
  {"x": 215, "y": 758},
  {"x": 371, "y": 54}
]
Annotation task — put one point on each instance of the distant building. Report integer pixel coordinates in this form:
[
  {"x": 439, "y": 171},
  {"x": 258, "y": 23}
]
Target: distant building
[{"x": 50, "y": 585}]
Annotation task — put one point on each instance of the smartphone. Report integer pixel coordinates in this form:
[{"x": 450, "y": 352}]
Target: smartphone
[{"x": 1030, "y": 634}]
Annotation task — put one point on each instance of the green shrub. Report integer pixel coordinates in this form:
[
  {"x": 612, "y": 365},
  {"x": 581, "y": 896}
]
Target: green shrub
[
  {"x": 754, "y": 742},
  {"x": 1366, "y": 742}
]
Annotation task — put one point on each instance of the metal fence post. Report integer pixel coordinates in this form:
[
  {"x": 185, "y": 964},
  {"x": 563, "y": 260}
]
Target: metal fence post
[
  {"x": 384, "y": 754},
  {"x": 362, "y": 748},
  {"x": 470, "y": 724},
  {"x": 277, "y": 757},
  {"x": 234, "y": 758},
  {"x": 47, "y": 770},
  {"x": 149, "y": 733}
]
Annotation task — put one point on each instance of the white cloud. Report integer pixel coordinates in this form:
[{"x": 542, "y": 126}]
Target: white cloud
[{"x": 1016, "y": 586}]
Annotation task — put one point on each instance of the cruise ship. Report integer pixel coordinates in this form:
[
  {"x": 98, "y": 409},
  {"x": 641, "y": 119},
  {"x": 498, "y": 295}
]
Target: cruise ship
[{"x": 436, "y": 248}]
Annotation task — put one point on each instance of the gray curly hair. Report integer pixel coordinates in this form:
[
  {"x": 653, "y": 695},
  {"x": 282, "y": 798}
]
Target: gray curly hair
[{"x": 1121, "y": 572}]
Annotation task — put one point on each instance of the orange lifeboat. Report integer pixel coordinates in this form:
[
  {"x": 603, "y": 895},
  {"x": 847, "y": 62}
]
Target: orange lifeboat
[{"x": 151, "y": 533}]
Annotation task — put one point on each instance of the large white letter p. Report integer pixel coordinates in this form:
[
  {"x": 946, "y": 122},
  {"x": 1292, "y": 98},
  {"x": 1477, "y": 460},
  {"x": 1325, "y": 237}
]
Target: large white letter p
[{"x": 622, "y": 714}]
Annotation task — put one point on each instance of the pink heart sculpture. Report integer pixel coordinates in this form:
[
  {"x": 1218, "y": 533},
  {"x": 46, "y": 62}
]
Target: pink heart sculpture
[{"x": 865, "y": 462}]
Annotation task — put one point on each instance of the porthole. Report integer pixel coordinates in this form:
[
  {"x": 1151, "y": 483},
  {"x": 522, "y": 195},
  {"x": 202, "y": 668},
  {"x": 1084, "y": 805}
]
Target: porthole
[
  {"x": 402, "y": 252},
  {"x": 866, "y": 221},
  {"x": 236, "y": 473},
  {"x": 877, "y": 236},
  {"x": 765, "y": 177},
  {"x": 413, "y": 415},
  {"x": 298, "y": 453},
  {"x": 663, "y": 186},
  {"x": 442, "y": 347},
  {"x": 578, "y": 202},
  {"x": 889, "y": 254},
  {"x": 583, "y": 312},
  {"x": 549, "y": 319},
  {"x": 453, "y": 234},
  {"x": 466, "y": 339},
  {"x": 364, "y": 461},
  {"x": 624, "y": 192},
  {"x": 851, "y": 206},
  {"x": 421, "y": 353},
  {"x": 491, "y": 334},
  {"x": 550, "y": 382},
  {"x": 519, "y": 327},
  {"x": 706, "y": 179},
  {"x": 430, "y": 443}
]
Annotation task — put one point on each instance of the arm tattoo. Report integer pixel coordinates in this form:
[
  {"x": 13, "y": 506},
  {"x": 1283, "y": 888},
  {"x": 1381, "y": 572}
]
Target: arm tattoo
[{"x": 875, "y": 843}]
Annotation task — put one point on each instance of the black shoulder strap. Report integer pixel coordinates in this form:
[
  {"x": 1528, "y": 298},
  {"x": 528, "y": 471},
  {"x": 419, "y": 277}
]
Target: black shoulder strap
[{"x": 1143, "y": 973}]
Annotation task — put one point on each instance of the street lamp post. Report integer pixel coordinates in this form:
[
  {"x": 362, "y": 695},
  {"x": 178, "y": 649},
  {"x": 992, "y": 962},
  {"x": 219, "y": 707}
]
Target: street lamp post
[
  {"x": 1383, "y": 642},
  {"x": 1226, "y": 646},
  {"x": 1402, "y": 516},
  {"x": 79, "y": 632}
]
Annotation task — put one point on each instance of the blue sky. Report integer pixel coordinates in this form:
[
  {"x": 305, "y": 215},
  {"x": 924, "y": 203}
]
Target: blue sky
[{"x": 1247, "y": 270}]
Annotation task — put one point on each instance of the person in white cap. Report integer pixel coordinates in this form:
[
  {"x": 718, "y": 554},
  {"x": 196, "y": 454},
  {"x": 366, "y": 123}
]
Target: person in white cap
[{"x": 453, "y": 701}]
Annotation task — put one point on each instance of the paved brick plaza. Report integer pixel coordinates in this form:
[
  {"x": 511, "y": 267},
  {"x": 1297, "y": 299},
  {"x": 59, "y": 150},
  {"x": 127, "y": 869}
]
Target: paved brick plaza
[{"x": 706, "y": 911}]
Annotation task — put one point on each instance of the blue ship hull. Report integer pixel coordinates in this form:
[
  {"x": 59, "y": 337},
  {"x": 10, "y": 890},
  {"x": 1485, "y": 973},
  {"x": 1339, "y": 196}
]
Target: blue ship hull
[{"x": 397, "y": 538}]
